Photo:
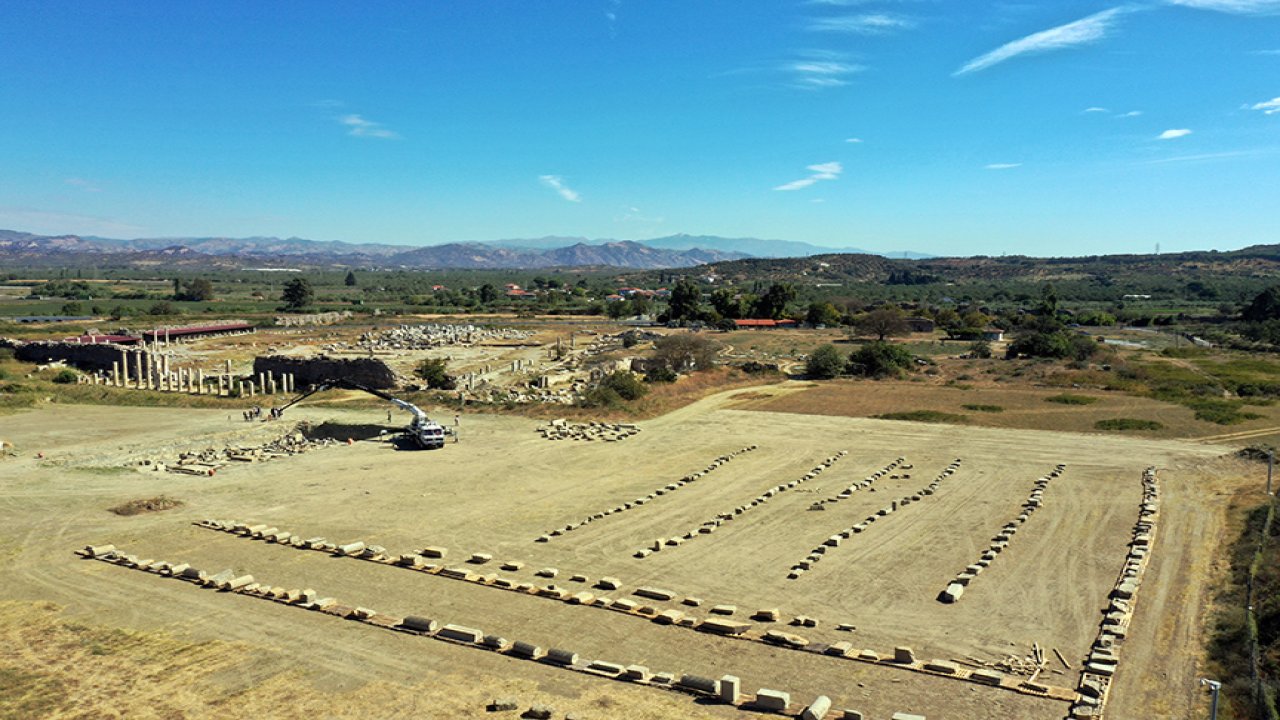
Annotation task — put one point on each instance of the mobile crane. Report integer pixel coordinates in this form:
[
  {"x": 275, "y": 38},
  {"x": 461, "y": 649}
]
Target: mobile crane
[{"x": 422, "y": 430}]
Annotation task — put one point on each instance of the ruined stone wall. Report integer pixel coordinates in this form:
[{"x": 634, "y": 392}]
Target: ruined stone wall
[
  {"x": 369, "y": 372},
  {"x": 83, "y": 356}
]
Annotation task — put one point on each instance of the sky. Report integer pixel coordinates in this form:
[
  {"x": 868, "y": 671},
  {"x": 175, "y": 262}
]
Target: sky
[{"x": 950, "y": 127}]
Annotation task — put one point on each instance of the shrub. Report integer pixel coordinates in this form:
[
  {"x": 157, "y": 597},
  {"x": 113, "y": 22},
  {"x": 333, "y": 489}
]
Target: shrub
[
  {"x": 660, "y": 374},
  {"x": 984, "y": 408},
  {"x": 980, "y": 349},
  {"x": 1069, "y": 399},
  {"x": 66, "y": 377},
  {"x": 825, "y": 362},
  {"x": 929, "y": 416},
  {"x": 434, "y": 372},
  {"x": 879, "y": 359},
  {"x": 1128, "y": 424},
  {"x": 625, "y": 384}
]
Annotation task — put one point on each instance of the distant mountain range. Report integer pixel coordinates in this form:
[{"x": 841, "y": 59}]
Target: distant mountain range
[{"x": 674, "y": 251}]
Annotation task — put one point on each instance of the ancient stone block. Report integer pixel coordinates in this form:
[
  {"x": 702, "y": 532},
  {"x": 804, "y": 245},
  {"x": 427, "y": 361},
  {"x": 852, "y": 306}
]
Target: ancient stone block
[
  {"x": 904, "y": 654},
  {"x": 560, "y": 656},
  {"x": 817, "y": 709},
  {"x": 772, "y": 700},
  {"x": 460, "y": 633},
  {"x": 730, "y": 689},
  {"x": 419, "y": 624},
  {"x": 655, "y": 593}
]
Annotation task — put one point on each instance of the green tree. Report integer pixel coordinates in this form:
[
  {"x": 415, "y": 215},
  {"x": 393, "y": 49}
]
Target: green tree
[
  {"x": 825, "y": 362},
  {"x": 163, "y": 307},
  {"x": 195, "y": 290},
  {"x": 685, "y": 352},
  {"x": 684, "y": 301},
  {"x": 773, "y": 303},
  {"x": 883, "y": 322},
  {"x": 727, "y": 303},
  {"x": 822, "y": 314},
  {"x": 880, "y": 359},
  {"x": 1265, "y": 306},
  {"x": 350, "y": 280},
  {"x": 71, "y": 308},
  {"x": 488, "y": 293},
  {"x": 435, "y": 373},
  {"x": 980, "y": 349},
  {"x": 298, "y": 293}
]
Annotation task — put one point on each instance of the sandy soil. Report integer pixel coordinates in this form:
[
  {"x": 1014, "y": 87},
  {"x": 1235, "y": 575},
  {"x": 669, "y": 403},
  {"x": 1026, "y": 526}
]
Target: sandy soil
[{"x": 504, "y": 485}]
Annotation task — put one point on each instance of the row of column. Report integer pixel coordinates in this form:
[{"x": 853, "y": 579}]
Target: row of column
[{"x": 148, "y": 371}]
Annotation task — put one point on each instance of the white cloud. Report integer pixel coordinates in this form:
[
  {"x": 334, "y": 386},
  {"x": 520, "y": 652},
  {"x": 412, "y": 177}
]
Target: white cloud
[
  {"x": 821, "y": 73},
  {"x": 1131, "y": 113},
  {"x": 821, "y": 171},
  {"x": 555, "y": 182},
  {"x": 1096, "y": 110},
  {"x": 1173, "y": 134},
  {"x": 1205, "y": 156},
  {"x": 1081, "y": 32},
  {"x": 359, "y": 127},
  {"x": 83, "y": 184},
  {"x": 868, "y": 24},
  {"x": 1002, "y": 166},
  {"x": 853, "y": 140},
  {"x": 1270, "y": 107},
  {"x": 1238, "y": 7}
]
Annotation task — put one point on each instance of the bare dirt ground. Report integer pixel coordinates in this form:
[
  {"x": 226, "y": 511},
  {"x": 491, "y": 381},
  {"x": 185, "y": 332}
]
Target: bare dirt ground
[{"x": 504, "y": 485}]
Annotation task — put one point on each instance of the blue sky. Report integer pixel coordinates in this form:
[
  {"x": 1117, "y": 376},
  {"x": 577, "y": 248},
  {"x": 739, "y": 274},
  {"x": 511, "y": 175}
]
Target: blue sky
[{"x": 941, "y": 126}]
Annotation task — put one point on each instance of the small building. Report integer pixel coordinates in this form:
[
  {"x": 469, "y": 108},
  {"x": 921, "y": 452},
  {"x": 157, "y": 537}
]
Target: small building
[
  {"x": 763, "y": 324},
  {"x": 195, "y": 331},
  {"x": 992, "y": 334}
]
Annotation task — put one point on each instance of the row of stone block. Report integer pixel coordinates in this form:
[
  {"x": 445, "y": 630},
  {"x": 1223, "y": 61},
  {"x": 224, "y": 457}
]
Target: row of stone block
[
  {"x": 664, "y": 490},
  {"x": 710, "y": 526},
  {"x": 834, "y": 541},
  {"x": 718, "y": 625},
  {"x": 866, "y": 483},
  {"x": 726, "y": 689},
  {"x": 1104, "y": 654},
  {"x": 956, "y": 588}
]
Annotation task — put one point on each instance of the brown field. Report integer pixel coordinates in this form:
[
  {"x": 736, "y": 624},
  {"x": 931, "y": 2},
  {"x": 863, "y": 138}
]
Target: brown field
[
  {"x": 504, "y": 485},
  {"x": 1023, "y": 407}
]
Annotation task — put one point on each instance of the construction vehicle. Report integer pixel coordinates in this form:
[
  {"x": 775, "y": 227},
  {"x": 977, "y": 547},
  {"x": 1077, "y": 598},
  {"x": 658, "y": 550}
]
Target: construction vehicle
[{"x": 422, "y": 430}]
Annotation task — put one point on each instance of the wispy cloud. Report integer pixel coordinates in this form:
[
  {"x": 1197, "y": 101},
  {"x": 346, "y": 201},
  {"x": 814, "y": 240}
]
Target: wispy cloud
[
  {"x": 865, "y": 24},
  {"x": 611, "y": 8},
  {"x": 1270, "y": 107},
  {"x": 853, "y": 140},
  {"x": 1266, "y": 52},
  {"x": 812, "y": 74},
  {"x": 1002, "y": 166},
  {"x": 633, "y": 214},
  {"x": 359, "y": 127},
  {"x": 555, "y": 182},
  {"x": 1130, "y": 114},
  {"x": 1173, "y": 134},
  {"x": 1096, "y": 110},
  {"x": 1081, "y": 32},
  {"x": 1238, "y": 7},
  {"x": 83, "y": 184},
  {"x": 52, "y": 222},
  {"x": 1205, "y": 156},
  {"x": 821, "y": 171}
]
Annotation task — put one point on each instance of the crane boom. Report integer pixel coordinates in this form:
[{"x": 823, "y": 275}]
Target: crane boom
[{"x": 425, "y": 432}]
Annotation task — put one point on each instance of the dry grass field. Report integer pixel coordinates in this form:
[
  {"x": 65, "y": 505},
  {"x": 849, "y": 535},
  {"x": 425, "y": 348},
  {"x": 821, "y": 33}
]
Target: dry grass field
[
  {"x": 1020, "y": 407},
  {"x": 504, "y": 486}
]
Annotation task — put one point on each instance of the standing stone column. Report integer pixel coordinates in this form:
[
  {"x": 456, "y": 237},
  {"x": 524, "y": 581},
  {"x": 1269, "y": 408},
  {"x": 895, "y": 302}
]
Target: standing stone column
[
  {"x": 271, "y": 384},
  {"x": 115, "y": 374},
  {"x": 137, "y": 359}
]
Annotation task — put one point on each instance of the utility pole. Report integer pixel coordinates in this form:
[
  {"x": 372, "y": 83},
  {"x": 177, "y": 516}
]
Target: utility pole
[
  {"x": 1271, "y": 461},
  {"x": 1214, "y": 687}
]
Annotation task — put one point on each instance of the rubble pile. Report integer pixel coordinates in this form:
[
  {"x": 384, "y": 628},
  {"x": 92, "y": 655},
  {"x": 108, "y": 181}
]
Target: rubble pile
[
  {"x": 608, "y": 432},
  {"x": 209, "y": 460},
  {"x": 432, "y": 335}
]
